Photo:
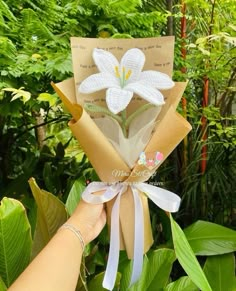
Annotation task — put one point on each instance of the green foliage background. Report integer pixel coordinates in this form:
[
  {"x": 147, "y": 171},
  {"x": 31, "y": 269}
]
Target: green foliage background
[{"x": 36, "y": 142}]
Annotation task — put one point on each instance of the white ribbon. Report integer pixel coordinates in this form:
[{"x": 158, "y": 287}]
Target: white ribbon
[{"x": 166, "y": 200}]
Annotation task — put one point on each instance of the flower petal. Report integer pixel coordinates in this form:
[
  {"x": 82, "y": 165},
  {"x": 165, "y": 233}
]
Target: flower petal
[
  {"x": 156, "y": 79},
  {"x": 105, "y": 61},
  {"x": 148, "y": 93},
  {"x": 98, "y": 82},
  {"x": 133, "y": 60},
  {"x": 118, "y": 99}
]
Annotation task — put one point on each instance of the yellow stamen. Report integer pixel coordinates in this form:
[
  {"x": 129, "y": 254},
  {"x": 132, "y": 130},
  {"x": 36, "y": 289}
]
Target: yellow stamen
[
  {"x": 128, "y": 75},
  {"x": 117, "y": 72}
]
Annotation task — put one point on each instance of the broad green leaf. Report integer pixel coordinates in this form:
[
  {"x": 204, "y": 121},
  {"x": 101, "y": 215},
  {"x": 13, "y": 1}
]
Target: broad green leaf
[
  {"x": 18, "y": 93},
  {"x": 46, "y": 97},
  {"x": 182, "y": 284},
  {"x": 205, "y": 52},
  {"x": 2, "y": 285},
  {"x": 207, "y": 238},
  {"x": 155, "y": 274},
  {"x": 75, "y": 195},
  {"x": 186, "y": 257},
  {"x": 220, "y": 272},
  {"x": 15, "y": 240},
  {"x": 161, "y": 262},
  {"x": 234, "y": 286},
  {"x": 51, "y": 214},
  {"x": 96, "y": 282}
]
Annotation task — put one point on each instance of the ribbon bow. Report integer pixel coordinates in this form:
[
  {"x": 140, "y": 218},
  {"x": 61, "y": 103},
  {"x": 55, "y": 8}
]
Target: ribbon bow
[{"x": 166, "y": 200}]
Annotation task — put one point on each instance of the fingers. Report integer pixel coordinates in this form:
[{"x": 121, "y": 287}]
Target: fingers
[
  {"x": 90, "y": 219},
  {"x": 101, "y": 222},
  {"x": 103, "y": 218},
  {"x": 99, "y": 225}
]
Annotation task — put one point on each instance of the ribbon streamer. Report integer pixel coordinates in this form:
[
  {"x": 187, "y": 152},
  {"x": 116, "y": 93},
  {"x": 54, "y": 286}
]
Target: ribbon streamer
[{"x": 164, "y": 199}]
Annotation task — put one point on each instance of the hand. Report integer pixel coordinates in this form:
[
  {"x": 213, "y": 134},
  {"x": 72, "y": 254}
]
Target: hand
[{"x": 89, "y": 219}]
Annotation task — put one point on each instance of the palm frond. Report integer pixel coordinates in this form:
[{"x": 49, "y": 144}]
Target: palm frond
[
  {"x": 34, "y": 26},
  {"x": 6, "y": 12},
  {"x": 7, "y": 48}
]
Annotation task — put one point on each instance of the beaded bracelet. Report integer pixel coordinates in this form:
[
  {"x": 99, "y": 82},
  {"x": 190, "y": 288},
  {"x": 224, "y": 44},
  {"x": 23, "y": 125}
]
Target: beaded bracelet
[{"x": 76, "y": 232}]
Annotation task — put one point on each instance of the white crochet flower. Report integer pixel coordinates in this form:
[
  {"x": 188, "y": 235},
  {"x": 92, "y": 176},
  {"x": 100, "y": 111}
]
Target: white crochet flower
[{"x": 124, "y": 79}]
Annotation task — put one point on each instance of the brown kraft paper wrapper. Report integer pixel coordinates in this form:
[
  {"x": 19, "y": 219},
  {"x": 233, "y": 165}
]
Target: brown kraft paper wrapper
[{"x": 171, "y": 128}]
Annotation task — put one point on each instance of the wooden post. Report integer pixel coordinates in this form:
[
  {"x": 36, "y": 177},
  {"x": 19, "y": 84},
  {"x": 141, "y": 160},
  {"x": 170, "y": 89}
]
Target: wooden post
[{"x": 183, "y": 70}]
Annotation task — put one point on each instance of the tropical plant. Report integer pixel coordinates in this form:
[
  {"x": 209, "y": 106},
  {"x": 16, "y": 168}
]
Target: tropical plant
[
  {"x": 35, "y": 140},
  {"x": 35, "y": 50},
  {"x": 205, "y": 55},
  {"x": 202, "y": 238}
]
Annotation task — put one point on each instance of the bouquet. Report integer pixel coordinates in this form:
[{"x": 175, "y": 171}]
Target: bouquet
[{"x": 123, "y": 102}]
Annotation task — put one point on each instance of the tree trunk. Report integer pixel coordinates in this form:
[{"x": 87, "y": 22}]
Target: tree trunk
[
  {"x": 40, "y": 131},
  {"x": 183, "y": 70},
  {"x": 170, "y": 22}
]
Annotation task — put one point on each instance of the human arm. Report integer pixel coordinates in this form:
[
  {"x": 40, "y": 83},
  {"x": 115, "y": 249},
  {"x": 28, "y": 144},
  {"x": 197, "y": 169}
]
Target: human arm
[{"x": 57, "y": 266}]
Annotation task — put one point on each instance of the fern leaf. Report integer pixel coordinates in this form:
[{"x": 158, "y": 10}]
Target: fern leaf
[
  {"x": 5, "y": 11},
  {"x": 34, "y": 26}
]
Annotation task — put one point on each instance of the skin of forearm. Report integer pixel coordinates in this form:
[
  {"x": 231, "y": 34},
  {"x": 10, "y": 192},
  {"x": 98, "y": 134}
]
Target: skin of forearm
[{"x": 56, "y": 268}]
